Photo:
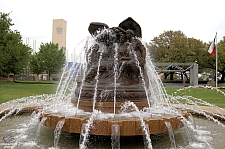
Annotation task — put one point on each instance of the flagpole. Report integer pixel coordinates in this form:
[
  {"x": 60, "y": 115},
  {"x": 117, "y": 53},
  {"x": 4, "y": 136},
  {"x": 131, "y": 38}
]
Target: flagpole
[{"x": 216, "y": 59}]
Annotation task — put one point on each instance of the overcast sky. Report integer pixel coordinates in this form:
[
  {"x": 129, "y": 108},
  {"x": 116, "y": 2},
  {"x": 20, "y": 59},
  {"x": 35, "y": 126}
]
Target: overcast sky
[{"x": 200, "y": 19}]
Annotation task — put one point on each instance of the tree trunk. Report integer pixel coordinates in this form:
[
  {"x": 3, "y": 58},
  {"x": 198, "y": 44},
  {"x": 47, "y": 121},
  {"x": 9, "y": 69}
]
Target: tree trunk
[
  {"x": 49, "y": 76},
  {"x": 14, "y": 77}
]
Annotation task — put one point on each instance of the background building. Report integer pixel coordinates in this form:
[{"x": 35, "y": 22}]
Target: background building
[
  {"x": 59, "y": 28},
  {"x": 59, "y": 33}
]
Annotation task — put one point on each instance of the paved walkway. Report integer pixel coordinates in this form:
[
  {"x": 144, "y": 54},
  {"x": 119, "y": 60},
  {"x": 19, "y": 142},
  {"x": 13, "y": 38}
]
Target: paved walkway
[
  {"x": 215, "y": 112},
  {"x": 6, "y": 108}
]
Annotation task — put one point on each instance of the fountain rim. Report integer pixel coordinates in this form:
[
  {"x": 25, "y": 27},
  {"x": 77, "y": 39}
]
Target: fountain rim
[
  {"x": 38, "y": 108},
  {"x": 128, "y": 127}
]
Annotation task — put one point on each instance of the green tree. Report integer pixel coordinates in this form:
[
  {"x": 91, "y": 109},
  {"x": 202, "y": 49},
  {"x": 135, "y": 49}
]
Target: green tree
[
  {"x": 14, "y": 54},
  {"x": 175, "y": 46},
  {"x": 52, "y": 58},
  {"x": 221, "y": 59},
  {"x": 36, "y": 64}
]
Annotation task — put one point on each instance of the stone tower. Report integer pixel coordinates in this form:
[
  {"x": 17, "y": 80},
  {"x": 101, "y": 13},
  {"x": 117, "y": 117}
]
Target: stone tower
[{"x": 59, "y": 33}]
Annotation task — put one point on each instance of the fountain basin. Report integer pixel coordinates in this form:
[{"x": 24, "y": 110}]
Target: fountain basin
[{"x": 102, "y": 127}]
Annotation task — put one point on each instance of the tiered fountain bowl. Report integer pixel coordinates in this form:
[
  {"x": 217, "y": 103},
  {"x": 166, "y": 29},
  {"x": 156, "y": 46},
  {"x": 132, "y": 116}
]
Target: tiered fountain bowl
[{"x": 116, "y": 74}]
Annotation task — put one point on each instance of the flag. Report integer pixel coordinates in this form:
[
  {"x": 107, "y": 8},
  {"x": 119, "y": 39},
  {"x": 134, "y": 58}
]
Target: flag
[{"x": 212, "y": 48}]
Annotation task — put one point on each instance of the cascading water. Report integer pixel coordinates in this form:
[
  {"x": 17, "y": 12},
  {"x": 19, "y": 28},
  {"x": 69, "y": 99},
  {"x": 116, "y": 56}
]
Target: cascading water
[
  {"x": 57, "y": 133},
  {"x": 117, "y": 95},
  {"x": 171, "y": 135},
  {"x": 39, "y": 127},
  {"x": 115, "y": 77},
  {"x": 147, "y": 139}
]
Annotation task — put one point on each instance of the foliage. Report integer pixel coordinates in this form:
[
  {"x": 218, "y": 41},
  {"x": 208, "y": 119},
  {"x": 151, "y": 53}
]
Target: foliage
[
  {"x": 49, "y": 58},
  {"x": 221, "y": 55},
  {"x": 36, "y": 64},
  {"x": 175, "y": 46},
  {"x": 14, "y": 54}
]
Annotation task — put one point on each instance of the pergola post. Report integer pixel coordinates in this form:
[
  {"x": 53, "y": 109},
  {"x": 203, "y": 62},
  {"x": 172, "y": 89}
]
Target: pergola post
[{"x": 194, "y": 75}]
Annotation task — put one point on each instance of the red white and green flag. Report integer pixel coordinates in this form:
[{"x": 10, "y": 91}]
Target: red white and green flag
[{"x": 212, "y": 48}]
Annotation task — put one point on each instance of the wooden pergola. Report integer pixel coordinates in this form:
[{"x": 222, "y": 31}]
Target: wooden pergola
[{"x": 182, "y": 68}]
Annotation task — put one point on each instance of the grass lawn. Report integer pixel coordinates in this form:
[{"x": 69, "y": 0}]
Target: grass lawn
[
  {"x": 209, "y": 95},
  {"x": 11, "y": 90}
]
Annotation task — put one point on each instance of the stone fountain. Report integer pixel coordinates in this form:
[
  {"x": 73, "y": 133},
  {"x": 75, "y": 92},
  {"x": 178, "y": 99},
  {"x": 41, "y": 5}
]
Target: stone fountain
[{"x": 116, "y": 95}]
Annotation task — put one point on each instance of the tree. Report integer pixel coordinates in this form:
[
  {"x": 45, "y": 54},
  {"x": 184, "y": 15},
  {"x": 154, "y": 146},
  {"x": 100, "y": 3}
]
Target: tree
[
  {"x": 14, "y": 54},
  {"x": 51, "y": 57},
  {"x": 175, "y": 46},
  {"x": 221, "y": 60},
  {"x": 36, "y": 64}
]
